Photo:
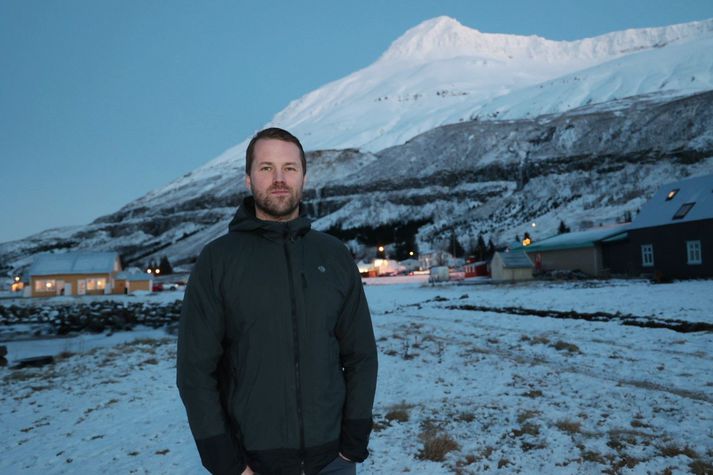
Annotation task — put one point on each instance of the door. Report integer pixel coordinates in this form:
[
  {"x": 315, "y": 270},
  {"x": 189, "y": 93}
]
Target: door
[
  {"x": 67, "y": 288},
  {"x": 81, "y": 287}
]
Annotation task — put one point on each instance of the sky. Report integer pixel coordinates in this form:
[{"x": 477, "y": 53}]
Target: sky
[{"x": 104, "y": 101}]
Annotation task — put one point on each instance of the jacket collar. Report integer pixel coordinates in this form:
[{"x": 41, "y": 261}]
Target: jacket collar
[{"x": 246, "y": 221}]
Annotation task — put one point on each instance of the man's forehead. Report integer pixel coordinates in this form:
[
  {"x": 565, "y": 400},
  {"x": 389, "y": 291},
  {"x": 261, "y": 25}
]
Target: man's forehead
[{"x": 275, "y": 147}]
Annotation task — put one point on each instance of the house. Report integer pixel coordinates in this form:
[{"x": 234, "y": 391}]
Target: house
[
  {"x": 574, "y": 251},
  {"x": 511, "y": 265},
  {"x": 133, "y": 279},
  {"x": 473, "y": 268},
  {"x": 74, "y": 273},
  {"x": 671, "y": 237}
]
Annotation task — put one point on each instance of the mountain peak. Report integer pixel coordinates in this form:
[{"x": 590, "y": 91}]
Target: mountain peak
[
  {"x": 432, "y": 38},
  {"x": 444, "y": 37}
]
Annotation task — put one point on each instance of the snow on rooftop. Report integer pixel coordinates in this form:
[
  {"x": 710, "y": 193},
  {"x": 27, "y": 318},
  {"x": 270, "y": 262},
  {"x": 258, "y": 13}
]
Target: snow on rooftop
[
  {"x": 515, "y": 259},
  {"x": 661, "y": 208},
  {"x": 577, "y": 239},
  {"x": 80, "y": 262}
]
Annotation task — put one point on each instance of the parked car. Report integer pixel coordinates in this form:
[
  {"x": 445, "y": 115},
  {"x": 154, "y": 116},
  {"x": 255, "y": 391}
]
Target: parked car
[{"x": 157, "y": 287}]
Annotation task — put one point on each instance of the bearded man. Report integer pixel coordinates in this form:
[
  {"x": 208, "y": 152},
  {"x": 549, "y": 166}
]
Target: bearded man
[{"x": 276, "y": 354}]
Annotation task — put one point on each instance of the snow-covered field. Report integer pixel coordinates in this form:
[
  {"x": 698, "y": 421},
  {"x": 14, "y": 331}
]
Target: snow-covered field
[{"x": 507, "y": 393}]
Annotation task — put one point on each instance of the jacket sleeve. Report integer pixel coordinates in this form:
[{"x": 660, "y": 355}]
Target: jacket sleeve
[
  {"x": 359, "y": 359},
  {"x": 200, "y": 349}
]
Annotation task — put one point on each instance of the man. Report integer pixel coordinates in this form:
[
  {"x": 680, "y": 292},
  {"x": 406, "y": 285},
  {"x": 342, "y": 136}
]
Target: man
[{"x": 276, "y": 354}]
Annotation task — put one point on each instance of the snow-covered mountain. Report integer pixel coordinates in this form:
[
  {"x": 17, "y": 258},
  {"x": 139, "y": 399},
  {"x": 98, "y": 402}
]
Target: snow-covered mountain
[
  {"x": 630, "y": 107},
  {"x": 441, "y": 72}
]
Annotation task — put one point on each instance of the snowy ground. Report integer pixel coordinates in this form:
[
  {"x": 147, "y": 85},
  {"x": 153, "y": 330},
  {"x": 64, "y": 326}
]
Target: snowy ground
[{"x": 508, "y": 393}]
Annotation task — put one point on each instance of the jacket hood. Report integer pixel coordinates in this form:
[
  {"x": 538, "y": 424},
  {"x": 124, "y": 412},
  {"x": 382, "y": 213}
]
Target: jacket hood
[{"x": 246, "y": 221}]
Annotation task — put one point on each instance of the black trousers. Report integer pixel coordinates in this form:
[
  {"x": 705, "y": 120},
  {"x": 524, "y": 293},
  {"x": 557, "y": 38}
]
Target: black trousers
[{"x": 339, "y": 466}]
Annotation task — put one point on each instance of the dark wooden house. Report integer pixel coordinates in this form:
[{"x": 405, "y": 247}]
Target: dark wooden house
[{"x": 671, "y": 237}]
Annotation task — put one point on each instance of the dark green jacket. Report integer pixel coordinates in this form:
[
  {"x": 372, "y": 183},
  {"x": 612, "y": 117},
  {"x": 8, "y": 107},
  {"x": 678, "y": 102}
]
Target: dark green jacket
[{"x": 276, "y": 354}]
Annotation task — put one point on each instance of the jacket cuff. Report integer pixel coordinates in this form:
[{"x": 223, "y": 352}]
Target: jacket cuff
[
  {"x": 355, "y": 439},
  {"x": 220, "y": 456}
]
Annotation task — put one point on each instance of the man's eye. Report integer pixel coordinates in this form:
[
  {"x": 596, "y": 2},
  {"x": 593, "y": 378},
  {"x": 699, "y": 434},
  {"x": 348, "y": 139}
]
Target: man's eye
[{"x": 266, "y": 168}]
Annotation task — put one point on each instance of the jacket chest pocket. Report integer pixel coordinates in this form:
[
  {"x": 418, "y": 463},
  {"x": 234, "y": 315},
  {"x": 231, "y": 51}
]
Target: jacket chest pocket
[{"x": 322, "y": 297}]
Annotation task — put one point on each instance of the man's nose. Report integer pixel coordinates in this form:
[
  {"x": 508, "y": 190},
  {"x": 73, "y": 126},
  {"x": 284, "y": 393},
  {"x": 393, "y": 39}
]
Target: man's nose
[{"x": 279, "y": 175}]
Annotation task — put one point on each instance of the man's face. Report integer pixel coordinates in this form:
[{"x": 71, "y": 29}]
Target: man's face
[{"x": 276, "y": 180}]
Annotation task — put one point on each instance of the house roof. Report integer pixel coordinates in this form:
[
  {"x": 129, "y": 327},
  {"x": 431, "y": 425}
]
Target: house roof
[
  {"x": 133, "y": 274},
  {"x": 79, "y": 262},
  {"x": 660, "y": 210},
  {"x": 515, "y": 260},
  {"x": 576, "y": 240}
]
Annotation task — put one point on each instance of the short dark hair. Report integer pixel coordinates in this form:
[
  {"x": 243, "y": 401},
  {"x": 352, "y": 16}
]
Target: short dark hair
[{"x": 273, "y": 133}]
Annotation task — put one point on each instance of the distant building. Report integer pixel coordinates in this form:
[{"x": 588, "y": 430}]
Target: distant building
[
  {"x": 671, "y": 237},
  {"x": 74, "y": 273},
  {"x": 512, "y": 266},
  {"x": 575, "y": 251},
  {"x": 476, "y": 269},
  {"x": 133, "y": 279}
]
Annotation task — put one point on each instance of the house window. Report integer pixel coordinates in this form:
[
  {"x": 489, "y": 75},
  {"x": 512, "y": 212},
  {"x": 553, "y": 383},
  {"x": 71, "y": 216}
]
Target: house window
[
  {"x": 46, "y": 285},
  {"x": 671, "y": 194},
  {"x": 647, "y": 255},
  {"x": 693, "y": 249},
  {"x": 683, "y": 210},
  {"x": 96, "y": 284}
]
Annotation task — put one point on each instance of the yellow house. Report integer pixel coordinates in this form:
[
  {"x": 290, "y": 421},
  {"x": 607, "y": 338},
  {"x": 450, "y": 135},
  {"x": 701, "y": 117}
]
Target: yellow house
[
  {"x": 133, "y": 279},
  {"x": 75, "y": 273}
]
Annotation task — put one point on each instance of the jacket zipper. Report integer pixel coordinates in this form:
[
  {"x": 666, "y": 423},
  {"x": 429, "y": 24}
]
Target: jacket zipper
[{"x": 295, "y": 336}]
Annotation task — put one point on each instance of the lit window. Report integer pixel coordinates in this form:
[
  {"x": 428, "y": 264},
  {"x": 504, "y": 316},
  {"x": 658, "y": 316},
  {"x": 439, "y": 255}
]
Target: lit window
[
  {"x": 647, "y": 255},
  {"x": 683, "y": 210},
  {"x": 96, "y": 284},
  {"x": 693, "y": 249},
  {"x": 49, "y": 285},
  {"x": 671, "y": 194}
]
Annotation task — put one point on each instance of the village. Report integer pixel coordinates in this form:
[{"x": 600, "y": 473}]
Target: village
[{"x": 666, "y": 240}]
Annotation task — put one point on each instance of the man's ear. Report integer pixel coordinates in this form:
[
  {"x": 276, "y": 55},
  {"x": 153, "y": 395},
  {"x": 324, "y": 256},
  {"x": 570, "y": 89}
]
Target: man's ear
[
  {"x": 304, "y": 180},
  {"x": 248, "y": 184}
]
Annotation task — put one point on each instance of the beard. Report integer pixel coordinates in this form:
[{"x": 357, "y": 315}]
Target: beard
[{"x": 278, "y": 207}]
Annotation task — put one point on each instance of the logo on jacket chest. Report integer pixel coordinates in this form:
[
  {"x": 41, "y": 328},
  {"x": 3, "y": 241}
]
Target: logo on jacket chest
[{"x": 321, "y": 269}]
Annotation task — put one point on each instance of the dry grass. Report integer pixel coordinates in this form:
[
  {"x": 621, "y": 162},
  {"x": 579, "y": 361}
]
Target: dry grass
[
  {"x": 399, "y": 412},
  {"x": 533, "y": 393},
  {"x": 699, "y": 467},
  {"x": 436, "y": 445},
  {"x": 569, "y": 426},
  {"x": 525, "y": 416},
  {"x": 20, "y": 375},
  {"x": 564, "y": 346},
  {"x": 539, "y": 340},
  {"x": 592, "y": 456},
  {"x": 528, "y": 428},
  {"x": 466, "y": 417},
  {"x": 672, "y": 450},
  {"x": 64, "y": 355},
  {"x": 637, "y": 423}
]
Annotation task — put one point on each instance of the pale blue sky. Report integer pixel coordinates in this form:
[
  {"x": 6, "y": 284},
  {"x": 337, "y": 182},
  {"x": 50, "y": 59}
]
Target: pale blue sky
[{"x": 103, "y": 101}]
